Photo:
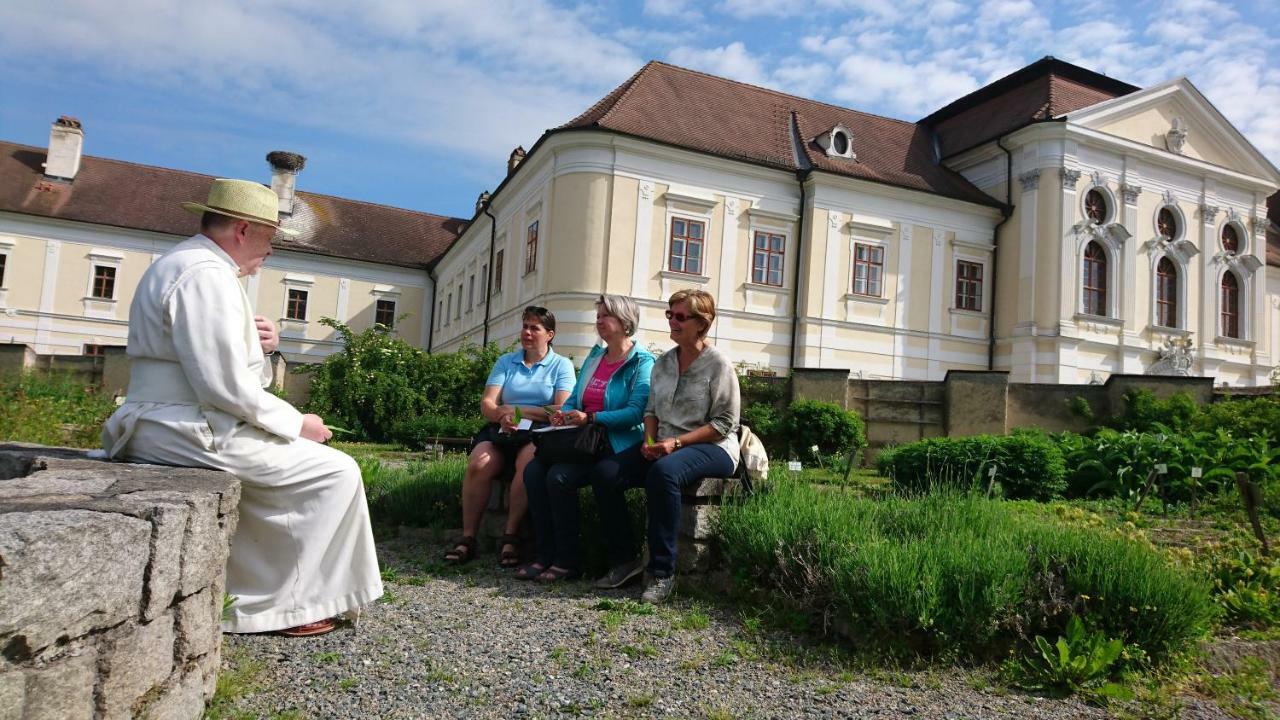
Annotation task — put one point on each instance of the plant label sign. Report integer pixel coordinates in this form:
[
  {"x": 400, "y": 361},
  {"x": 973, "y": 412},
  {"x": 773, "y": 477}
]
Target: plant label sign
[
  {"x": 1162, "y": 469},
  {"x": 793, "y": 465},
  {"x": 991, "y": 471},
  {"x": 1197, "y": 472}
]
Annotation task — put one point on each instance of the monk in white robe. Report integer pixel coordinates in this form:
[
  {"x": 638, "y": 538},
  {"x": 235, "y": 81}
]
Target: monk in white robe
[{"x": 303, "y": 550}]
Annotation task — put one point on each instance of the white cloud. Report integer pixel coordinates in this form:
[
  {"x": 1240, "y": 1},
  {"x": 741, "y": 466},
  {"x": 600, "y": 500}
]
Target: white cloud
[
  {"x": 744, "y": 9},
  {"x": 911, "y": 89},
  {"x": 731, "y": 61}
]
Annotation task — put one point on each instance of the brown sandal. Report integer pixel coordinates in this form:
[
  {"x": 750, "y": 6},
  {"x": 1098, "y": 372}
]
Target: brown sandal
[
  {"x": 462, "y": 551},
  {"x": 320, "y": 627},
  {"x": 509, "y": 558}
]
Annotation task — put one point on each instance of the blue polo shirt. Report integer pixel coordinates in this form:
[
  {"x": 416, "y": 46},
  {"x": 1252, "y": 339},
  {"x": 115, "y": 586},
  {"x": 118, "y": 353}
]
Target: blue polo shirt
[{"x": 531, "y": 386}]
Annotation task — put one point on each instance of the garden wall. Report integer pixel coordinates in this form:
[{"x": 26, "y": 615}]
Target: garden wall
[
  {"x": 977, "y": 402},
  {"x": 112, "y": 585}
]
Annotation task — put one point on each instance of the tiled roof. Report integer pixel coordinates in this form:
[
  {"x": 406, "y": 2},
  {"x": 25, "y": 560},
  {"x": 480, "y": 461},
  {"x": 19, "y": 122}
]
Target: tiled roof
[
  {"x": 143, "y": 197},
  {"x": 688, "y": 109},
  {"x": 1043, "y": 90}
]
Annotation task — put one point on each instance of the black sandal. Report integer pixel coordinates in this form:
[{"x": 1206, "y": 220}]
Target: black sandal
[
  {"x": 555, "y": 574},
  {"x": 530, "y": 571},
  {"x": 509, "y": 558},
  {"x": 463, "y": 550}
]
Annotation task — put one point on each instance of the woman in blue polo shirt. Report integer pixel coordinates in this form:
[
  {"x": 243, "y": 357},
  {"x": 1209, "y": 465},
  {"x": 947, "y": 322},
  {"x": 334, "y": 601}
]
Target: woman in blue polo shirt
[{"x": 529, "y": 379}]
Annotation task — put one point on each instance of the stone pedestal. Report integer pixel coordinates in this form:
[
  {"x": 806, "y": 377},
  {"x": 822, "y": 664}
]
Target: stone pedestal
[{"x": 112, "y": 585}]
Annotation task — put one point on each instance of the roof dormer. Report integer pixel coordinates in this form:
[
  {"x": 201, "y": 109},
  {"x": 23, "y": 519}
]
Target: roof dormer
[{"x": 838, "y": 142}]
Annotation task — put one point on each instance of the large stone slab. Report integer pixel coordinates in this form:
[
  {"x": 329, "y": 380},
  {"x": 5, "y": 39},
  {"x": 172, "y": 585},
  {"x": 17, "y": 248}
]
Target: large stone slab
[
  {"x": 62, "y": 690},
  {"x": 65, "y": 555},
  {"x": 134, "y": 662},
  {"x": 182, "y": 700},
  {"x": 198, "y": 619}
]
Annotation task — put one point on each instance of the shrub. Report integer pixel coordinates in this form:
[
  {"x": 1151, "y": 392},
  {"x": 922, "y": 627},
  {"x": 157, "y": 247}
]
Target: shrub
[
  {"x": 52, "y": 409},
  {"x": 378, "y": 381},
  {"x": 766, "y": 422},
  {"x": 1143, "y": 412},
  {"x": 1027, "y": 465},
  {"x": 1242, "y": 418},
  {"x": 947, "y": 572},
  {"x": 833, "y": 430},
  {"x": 423, "y": 430}
]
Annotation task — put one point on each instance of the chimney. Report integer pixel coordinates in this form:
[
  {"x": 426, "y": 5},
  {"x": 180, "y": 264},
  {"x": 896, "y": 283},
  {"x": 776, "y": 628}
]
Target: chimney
[
  {"x": 66, "y": 144},
  {"x": 285, "y": 167},
  {"x": 482, "y": 201},
  {"x": 517, "y": 157}
]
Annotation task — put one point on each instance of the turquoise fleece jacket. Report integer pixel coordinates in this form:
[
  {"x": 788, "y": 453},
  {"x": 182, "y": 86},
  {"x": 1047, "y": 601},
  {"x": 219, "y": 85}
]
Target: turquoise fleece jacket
[{"x": 624, "y": 397}]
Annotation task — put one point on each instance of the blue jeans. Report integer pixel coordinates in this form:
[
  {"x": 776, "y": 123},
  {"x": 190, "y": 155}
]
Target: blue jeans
[
  {"x": 662, "y": 481},
  {"x": 553, "y": 506}
]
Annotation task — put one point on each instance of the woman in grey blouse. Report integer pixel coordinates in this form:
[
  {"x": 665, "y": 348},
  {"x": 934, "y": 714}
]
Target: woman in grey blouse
[{"x": 691, "y": 433}]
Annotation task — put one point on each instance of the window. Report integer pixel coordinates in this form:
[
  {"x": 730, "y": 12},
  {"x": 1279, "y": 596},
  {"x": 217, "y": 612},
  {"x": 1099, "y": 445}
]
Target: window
[
  {"x": 767, "y": 259},
  {"x": 96, "y": 351},
  {"x": 439, "y": 313},
  {"x": 531, "y": 249},
  {"x": 1230, "y": 239},
  {"x": 450, "y": 310},
  {"x": 1095, "y": 280},
  {"x": 457, "y": 311},
  {"x": 1166, "y": 293},
  {"x": 686, "y": 246},
  {"x": 968, "y": 285},
  {"x": 3, "y": 258},
  {"x": 868, "y": 269},
  {"x": 296, "y": 306},
  {"x": 384, "y": 313},
  {"x": 471, "y": 292},
  {"x": 1167, "y": 223},
  {"x": 1230, "y": 305},
  {"x": 104, "y": 282},
  {"x": 1095, "y": 206},
  {"x": 497, "y": 272},
  {"x": 484, "y": 282}
]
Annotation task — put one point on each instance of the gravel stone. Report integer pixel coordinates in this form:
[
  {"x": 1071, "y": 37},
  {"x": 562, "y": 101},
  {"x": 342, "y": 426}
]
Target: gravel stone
[{"x": 478, "y": 643}]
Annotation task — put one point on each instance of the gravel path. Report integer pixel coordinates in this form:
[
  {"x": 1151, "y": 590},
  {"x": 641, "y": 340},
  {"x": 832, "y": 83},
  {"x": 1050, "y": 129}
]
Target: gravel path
[{"x": 480, "y": 644}]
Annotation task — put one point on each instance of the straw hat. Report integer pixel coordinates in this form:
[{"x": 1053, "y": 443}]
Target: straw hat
[{"x": 242, "y": 199}]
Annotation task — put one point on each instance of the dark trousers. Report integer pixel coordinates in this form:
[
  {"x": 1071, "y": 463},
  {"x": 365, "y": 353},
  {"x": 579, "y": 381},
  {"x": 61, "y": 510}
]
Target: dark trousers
[
  {"x": 662, "y": 481},
  {"x": 553, "y": 506}
]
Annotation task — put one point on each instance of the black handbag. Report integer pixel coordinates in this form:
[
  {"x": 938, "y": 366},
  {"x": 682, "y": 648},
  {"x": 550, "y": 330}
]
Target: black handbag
[
  {"x": 584, "y": 444},
  {"x": 513, "y": 440}
]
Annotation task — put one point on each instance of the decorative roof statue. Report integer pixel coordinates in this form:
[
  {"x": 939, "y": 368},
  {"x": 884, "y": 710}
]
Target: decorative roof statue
[
  {"x": 1177, "y": 136},
  {"x": 1175, "y": 358}
]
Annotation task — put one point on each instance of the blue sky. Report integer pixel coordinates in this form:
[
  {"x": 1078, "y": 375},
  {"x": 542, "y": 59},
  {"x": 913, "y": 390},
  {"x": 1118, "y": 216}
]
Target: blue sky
[{"x": 417, "y": 103}]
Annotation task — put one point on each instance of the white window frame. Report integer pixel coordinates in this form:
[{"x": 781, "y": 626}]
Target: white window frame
[
  {"x": 1182, "y": 268},
  {"x": 772, "y": 223},
  {"x": 6, "y": 249},
  {"x": 854, "y": 242},
  {"x": 984, "y": 298},
  {"x": 1113, "y": 275},
  {"x": 295, "y": 281},
  {"x": 686, "y": 207},
  {"x": 96, "y": 307},
  {"x": 1241, "y": 235},
  {"x": 1110, "y": 198},
  {"x": 1246, "y": 307}
]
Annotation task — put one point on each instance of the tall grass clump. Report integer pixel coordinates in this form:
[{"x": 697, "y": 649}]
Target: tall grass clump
[
  {"x": 420, "y": 493},
  {"x": 951, "y": 573},
  {"x": 52, "y": 409},
  {"x": 1026, "y": 465}
]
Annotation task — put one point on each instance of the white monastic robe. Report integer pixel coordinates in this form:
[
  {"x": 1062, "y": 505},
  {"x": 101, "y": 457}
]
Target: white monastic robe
[{"x": 303, "y": 550}]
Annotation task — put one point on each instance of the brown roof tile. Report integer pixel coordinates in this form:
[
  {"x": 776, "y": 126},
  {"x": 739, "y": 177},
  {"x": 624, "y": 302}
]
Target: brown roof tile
[
  {"x": 1041, "y": 91},
  {"x": 144, "y": 197},
  {"x": 689, "y": 109}
]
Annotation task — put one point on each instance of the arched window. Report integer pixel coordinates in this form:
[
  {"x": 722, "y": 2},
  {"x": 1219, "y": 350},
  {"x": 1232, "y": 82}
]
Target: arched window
[
  {"x": 1095, "y": 280},
  {"x": 1230, "y": 239},
  {"x": 1095, "y": 206},
  {"x": 1166, "y": 293},
  {"x": 1230, "y": 305},
  {"x": 1167, "y": 223}
]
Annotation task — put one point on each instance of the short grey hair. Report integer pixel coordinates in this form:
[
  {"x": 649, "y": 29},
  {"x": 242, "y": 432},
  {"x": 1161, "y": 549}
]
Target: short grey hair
[{"x": 623, "y": 308}]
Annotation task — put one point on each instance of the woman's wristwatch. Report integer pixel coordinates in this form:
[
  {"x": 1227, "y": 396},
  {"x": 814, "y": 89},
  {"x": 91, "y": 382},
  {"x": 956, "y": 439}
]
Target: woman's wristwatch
[{"x": 678, "y": 443}]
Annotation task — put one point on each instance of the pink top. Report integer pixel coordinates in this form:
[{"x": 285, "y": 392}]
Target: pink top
[{"x": 593, "y": 393}]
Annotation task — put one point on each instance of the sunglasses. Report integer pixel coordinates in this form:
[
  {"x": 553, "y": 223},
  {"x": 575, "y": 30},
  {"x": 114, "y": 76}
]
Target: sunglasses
[{"x": 679, "y": 316}]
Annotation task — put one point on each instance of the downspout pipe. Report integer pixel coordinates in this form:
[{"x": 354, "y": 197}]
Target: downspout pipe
[
  {"x": 431, "y": 328},
  {"x": 488, "y": 285},
  {"x": 1007, "y": 211},
  {"x": 802, "y": 176}
]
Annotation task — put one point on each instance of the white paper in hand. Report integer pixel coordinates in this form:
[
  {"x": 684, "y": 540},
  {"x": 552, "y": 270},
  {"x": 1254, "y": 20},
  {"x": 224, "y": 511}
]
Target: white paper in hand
[{"x": 524, "y": 424}]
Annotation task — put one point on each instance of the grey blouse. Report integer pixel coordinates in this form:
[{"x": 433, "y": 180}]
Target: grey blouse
[{"x": 706, "y": 393}]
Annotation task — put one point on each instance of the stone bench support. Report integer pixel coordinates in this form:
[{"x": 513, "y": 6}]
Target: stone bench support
[{"x": 112, "y": 585}]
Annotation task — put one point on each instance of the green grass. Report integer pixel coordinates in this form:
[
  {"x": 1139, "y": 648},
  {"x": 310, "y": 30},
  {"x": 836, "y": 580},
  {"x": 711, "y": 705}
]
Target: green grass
[
  {"x": 52, "y": 409},
  {"x": 421, "y": 493},
  {"x": 959, "y": 574}
]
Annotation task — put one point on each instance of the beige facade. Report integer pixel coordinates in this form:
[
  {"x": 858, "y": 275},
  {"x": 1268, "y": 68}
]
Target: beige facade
[
  {"x": 48, "y": 292},
  {"x": 1121, "y": 150}
]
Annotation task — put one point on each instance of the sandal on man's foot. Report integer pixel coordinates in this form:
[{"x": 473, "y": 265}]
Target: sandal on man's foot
[
  {"x": 319, "y": 627},
  {"x": 509, "y": 558},
  {"x": 464, "y": 548},
  {"x": 555, "y": 574},
  {"x": 530, "y": 571}
]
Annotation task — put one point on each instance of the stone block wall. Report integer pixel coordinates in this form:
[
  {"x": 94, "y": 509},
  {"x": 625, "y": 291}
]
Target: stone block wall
[{"x": 111, "y": 585}]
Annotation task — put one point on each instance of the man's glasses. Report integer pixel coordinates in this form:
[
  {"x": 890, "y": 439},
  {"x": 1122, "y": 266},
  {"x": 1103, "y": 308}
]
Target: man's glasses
[{"x": 679, "y": 316}]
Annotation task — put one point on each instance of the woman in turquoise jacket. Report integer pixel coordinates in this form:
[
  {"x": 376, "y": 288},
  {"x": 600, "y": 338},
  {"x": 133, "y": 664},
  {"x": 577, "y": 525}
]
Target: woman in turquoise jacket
[{"x": 612, "y": 390}]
